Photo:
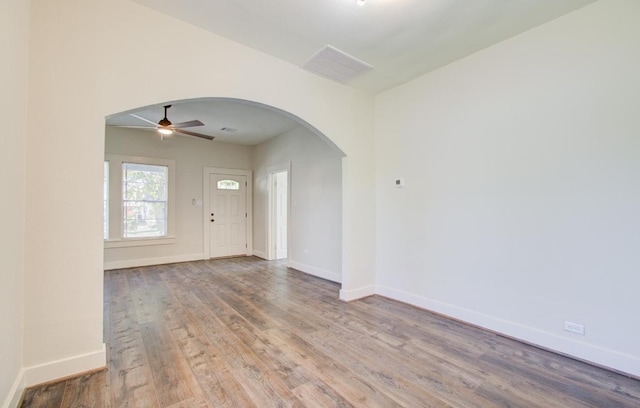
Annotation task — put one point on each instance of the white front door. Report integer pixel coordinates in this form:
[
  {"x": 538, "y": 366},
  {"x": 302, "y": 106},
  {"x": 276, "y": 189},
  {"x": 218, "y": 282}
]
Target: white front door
[{"x": 228, "y": 215}]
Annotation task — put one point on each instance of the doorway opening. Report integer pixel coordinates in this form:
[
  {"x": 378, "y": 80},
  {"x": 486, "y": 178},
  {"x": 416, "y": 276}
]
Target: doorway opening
[{"x": 278, "y": 211}]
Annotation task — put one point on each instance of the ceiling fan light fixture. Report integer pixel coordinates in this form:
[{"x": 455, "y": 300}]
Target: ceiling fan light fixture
[{"x": 165, "y": 127}]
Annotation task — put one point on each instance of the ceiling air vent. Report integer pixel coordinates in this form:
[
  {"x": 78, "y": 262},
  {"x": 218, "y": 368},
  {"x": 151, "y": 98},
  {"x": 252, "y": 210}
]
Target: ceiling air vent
[{"x": 337, "y": 65}]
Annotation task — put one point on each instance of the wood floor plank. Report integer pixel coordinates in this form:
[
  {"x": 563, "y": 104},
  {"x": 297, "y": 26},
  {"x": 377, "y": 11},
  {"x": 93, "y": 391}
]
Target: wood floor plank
[
  {"x": 506, "y": 391},
  {"x": 281, "y": 311},
  {"x": 45, "y": 396},
  {"x": 544, "y": 382},
  {"x": 375, "y": 372},
  {"x": 256, "y": 378},
  {"x": 245, "y": 332},
  {"x": 167, "y": 367},
  {"x": 269, "y": 354},
  {"x": 207, "y": 363},
  {"x": 566, "y": 371},
  {"x": 87, "y": 391},
  {"x": 340, "y": 377},
  {"x": 130, "y": 380},
  {"x": 191, "y": 403},
  {"x": 317, "y": 394}
]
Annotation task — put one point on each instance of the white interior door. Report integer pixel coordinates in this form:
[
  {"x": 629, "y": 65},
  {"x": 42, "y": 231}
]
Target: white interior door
[
  {"x": 281, "y": 189},
  {"x": 228, "y": 215}
]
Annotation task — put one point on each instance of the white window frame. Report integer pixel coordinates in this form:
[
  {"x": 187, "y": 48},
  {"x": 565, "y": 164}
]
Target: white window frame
[
  {"x": 106, "y": 199},
  {"x": 116, "y": 211}
]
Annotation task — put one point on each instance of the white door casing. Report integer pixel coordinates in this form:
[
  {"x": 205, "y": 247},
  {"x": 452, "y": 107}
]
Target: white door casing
[
  {"x": 227, "y": 213},
  {"x": 281, "y": 213},
  {"x": 272, "y": 235}
]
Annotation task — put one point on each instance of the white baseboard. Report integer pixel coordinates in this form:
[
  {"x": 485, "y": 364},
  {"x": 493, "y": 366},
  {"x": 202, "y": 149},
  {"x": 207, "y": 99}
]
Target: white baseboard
[
  {"x": 260, "y": 254},
  {"x": 134, "y": 263},
  {"x": 67, "y": 367},
  {"x": 312, "y": 270},
  {"x": 13, "y": 399},
  {"x": 355, "y": 294},
  {"x": 54, "y": 370},
  {"x": 583, "y": 351}
]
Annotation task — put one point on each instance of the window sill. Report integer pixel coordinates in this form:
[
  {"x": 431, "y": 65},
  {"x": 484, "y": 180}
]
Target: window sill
[{"x": 136, "y": 242}]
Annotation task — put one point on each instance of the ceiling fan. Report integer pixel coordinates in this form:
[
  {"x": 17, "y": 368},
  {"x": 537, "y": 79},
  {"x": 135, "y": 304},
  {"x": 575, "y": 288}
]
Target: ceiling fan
[{"x": 165, "y": 127}]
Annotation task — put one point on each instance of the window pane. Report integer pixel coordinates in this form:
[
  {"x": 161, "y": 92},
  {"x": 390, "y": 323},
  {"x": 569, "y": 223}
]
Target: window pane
[
  {"x": 144, "y": 194},
  {"x": 105, "y": 208},
  {"x": 228, "y": 185}
]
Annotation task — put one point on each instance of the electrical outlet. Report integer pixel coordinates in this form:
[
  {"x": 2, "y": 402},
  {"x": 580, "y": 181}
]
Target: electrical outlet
[{"x": 574, "y": 327}]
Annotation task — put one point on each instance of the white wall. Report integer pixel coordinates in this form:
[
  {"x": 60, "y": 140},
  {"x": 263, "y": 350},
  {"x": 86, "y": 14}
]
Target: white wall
[
  {"x": 191, "y": 155},
  {"x": 315, "y": 216},
  {"x": 521, "y": 202},
  {"x": 14, "y": 38},
  {"x": 92, "y": 59}
]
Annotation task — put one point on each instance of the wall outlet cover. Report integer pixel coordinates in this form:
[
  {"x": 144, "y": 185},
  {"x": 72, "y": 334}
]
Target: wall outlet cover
[{"x": 572, "y": 327}]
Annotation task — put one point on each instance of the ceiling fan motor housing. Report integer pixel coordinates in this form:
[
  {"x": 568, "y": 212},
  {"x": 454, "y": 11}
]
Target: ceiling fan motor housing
[{"x": 164, "y": 122}]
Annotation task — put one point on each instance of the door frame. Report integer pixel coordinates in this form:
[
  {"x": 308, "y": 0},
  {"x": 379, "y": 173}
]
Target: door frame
[
  {"x": 206, "y": 173},
  {"x": 271, "y": 208}
]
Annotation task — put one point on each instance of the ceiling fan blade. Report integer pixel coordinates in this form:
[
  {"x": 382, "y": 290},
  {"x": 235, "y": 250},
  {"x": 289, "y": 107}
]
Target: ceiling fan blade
[
  {"x": 133, "y": 127},
  {"x": 187, "y": 124},
  {"x": 143, "y": 119},
  {"x": 186, "y": 132}
]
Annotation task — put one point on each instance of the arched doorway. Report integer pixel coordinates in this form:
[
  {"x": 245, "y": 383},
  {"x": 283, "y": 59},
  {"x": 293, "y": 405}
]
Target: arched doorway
[{"x": 260, "y": 138}]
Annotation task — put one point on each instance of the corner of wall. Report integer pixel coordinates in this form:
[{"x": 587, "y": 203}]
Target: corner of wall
[
  {"x": 358, "y": 293},
  {"x": 260, "y": 254},
  {"x": 318, "y": 272},
  {"x": 53, "y": 370},
  {"x": 15, "y": 395}
]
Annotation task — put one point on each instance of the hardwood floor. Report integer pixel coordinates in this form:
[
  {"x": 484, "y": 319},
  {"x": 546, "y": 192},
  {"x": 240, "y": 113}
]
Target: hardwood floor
[{"x": 250, "y": 333}]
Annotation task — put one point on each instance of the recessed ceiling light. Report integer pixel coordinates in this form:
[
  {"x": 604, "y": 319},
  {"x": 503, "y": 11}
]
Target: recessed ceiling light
[{"x": 360, "y": 2}]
